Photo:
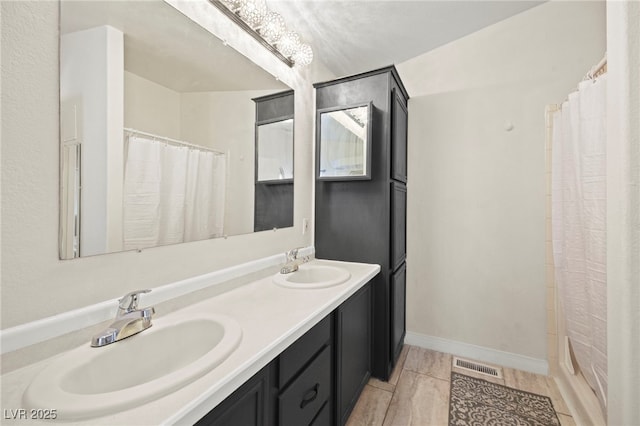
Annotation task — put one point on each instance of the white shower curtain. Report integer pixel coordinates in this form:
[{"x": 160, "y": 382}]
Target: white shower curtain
[
  {"x": 172, "y": 194},
  {"x": 579, "y": 226}
]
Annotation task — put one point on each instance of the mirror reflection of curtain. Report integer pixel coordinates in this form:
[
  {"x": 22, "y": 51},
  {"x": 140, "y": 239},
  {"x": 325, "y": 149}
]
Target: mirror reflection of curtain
[
  {"x": 342, "y": 150},
  {"x": 204, "y": 203},
  {"x": 172, "y": 194}
]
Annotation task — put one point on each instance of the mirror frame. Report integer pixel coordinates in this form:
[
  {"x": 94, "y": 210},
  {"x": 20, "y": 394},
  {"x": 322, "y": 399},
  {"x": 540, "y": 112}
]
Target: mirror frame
[{"x": 368, "y": 142}]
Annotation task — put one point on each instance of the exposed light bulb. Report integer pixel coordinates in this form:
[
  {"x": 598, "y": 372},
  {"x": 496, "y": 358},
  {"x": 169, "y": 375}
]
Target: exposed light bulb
[
  {"x": 289, "y": 43},
  {"x": 253, "y": 12},
  {"x": 303, "y": 56},
  {"x": 272, "y": 27}
]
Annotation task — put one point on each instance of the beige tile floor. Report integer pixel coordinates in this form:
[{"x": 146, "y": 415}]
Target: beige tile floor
[{"x": 417, "y": 392}]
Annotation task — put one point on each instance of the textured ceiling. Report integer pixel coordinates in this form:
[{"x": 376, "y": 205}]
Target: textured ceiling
[
  {"x": 352, "y": 36},
  {"x": 348, "y": 36}
]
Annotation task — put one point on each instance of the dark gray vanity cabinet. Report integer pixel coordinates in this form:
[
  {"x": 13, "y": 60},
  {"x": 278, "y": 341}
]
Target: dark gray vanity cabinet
[
  {"x": 250, "y": 405},
  {"x": 306, "y": 377},
  {"x": 316, "y": 381},
  {"x": 365, "y": 220},
  {"x": 353, "y": 351},
  {"x": 273, "y": 198},
  {"x": 294, "y": 389}
]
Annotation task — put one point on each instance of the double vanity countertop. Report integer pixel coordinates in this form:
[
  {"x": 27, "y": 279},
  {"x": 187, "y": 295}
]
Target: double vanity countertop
[{"x": 271, "y": 317}]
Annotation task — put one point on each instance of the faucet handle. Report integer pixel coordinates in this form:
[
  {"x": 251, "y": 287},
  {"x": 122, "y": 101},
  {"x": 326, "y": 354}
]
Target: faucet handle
[
  {"x": 292, "y": 254},
  {"x": 129, "y": 302}
]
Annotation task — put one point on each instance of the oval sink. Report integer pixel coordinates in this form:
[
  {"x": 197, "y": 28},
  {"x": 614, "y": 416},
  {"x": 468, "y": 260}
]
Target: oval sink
[
  {"x": 91, "y": 382},
  {"x": 313, "y": 276}
]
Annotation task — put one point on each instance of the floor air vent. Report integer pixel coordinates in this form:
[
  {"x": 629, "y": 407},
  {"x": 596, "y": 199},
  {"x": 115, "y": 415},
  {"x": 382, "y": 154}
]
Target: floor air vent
[{"x": 477, "y": 367}]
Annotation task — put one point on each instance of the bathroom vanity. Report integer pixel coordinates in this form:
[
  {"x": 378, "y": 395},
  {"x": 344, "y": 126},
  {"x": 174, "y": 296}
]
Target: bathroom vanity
[
  {"x": 321, "y": 375},
  {"x": 303, "y": 358}
]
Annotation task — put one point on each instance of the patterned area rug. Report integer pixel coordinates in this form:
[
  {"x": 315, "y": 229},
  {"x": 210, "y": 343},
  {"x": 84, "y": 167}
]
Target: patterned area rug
[{"x": 478, "y": 402}]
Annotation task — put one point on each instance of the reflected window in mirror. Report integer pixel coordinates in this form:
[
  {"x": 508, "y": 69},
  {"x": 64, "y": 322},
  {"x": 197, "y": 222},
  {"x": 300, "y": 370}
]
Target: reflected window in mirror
[
  {"x": 158, "y": 129},
  {"x": 344, "y": 143}
]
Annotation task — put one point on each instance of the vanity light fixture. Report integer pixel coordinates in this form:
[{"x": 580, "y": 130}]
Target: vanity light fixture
[{"x": 268, "y": 28}]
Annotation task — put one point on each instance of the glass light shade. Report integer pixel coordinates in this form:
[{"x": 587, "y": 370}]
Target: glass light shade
[
  {"x": 272, "y": 27},
  {"x": 289, "y": 43},
  {"x": 233, "y": 5},
  {"x": 303, "y": 56},
  {"x": 253, "y": 12}
]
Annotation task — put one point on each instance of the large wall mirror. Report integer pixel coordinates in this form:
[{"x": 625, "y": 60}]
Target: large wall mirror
[{"x": 157, "y": 127}]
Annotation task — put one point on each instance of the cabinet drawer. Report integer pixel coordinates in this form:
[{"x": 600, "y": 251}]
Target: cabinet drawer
[
  {"x": 324, "y": 416},
  {"x": 302, "y": 350},
  {"x": 301, "y": 401}
]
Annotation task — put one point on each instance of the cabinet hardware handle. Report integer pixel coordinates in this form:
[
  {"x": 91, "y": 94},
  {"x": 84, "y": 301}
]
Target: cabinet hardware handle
[{"x": 310, "y": 395}]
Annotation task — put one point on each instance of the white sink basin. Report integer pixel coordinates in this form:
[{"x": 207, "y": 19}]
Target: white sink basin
[
  {"x": 91, "y": 382},
  {"x": 313, "y": 276}
]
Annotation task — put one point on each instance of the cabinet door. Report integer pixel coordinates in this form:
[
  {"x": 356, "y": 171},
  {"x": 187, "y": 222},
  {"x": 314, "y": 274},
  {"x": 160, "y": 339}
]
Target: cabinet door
[
  {"x": 247, "y": 406},
  {"x": 273, "y": 206},
  {"x": 353, "y": 350},
  {"x": 399, "y": 121},
  {"x": 398, "y": 224},
  {"x": 398, "y": 311}
]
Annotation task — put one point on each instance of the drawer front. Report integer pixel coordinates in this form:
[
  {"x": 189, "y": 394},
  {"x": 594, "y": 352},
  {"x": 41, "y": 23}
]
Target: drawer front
[
  {"x": 302, "y": 350},
  {"x": 301, "y": 401},
  {"x": 324, "y": 416}
]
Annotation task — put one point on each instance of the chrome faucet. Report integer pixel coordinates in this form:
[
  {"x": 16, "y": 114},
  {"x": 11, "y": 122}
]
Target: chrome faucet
[
  {"x": 293, "y": 261},
  {"x": 129, "y": 320}
]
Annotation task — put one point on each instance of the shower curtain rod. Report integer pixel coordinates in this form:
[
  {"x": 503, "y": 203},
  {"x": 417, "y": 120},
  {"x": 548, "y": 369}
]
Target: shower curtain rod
[
  {"x": 599, "y": 69},
  {"x": 596, "y": 71},
  {"x": 172, "y": 141}
]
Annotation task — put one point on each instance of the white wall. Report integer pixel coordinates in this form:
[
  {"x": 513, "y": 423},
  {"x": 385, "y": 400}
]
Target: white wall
[
  {"x": 151, "y": 107},
  {"x": 205, "y": 122},
  {"x": 623, "y": 212},
  {"x": 476, "y": 215},
  {"x": 35, "y": 283}
]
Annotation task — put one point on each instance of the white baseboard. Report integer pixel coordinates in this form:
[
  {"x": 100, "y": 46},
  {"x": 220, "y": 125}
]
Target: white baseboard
[{"x": 478, "y": 353}]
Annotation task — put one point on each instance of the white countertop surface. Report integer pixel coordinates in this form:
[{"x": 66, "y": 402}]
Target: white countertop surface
[{"x": 271, "y": 317}]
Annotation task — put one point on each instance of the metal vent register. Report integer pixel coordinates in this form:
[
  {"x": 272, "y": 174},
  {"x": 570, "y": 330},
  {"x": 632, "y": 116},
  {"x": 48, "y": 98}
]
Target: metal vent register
[{"x": 477, "y": 367}]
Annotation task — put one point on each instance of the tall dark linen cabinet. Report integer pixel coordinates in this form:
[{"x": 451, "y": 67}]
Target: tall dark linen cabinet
[{"x": 365, "y": 220}]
